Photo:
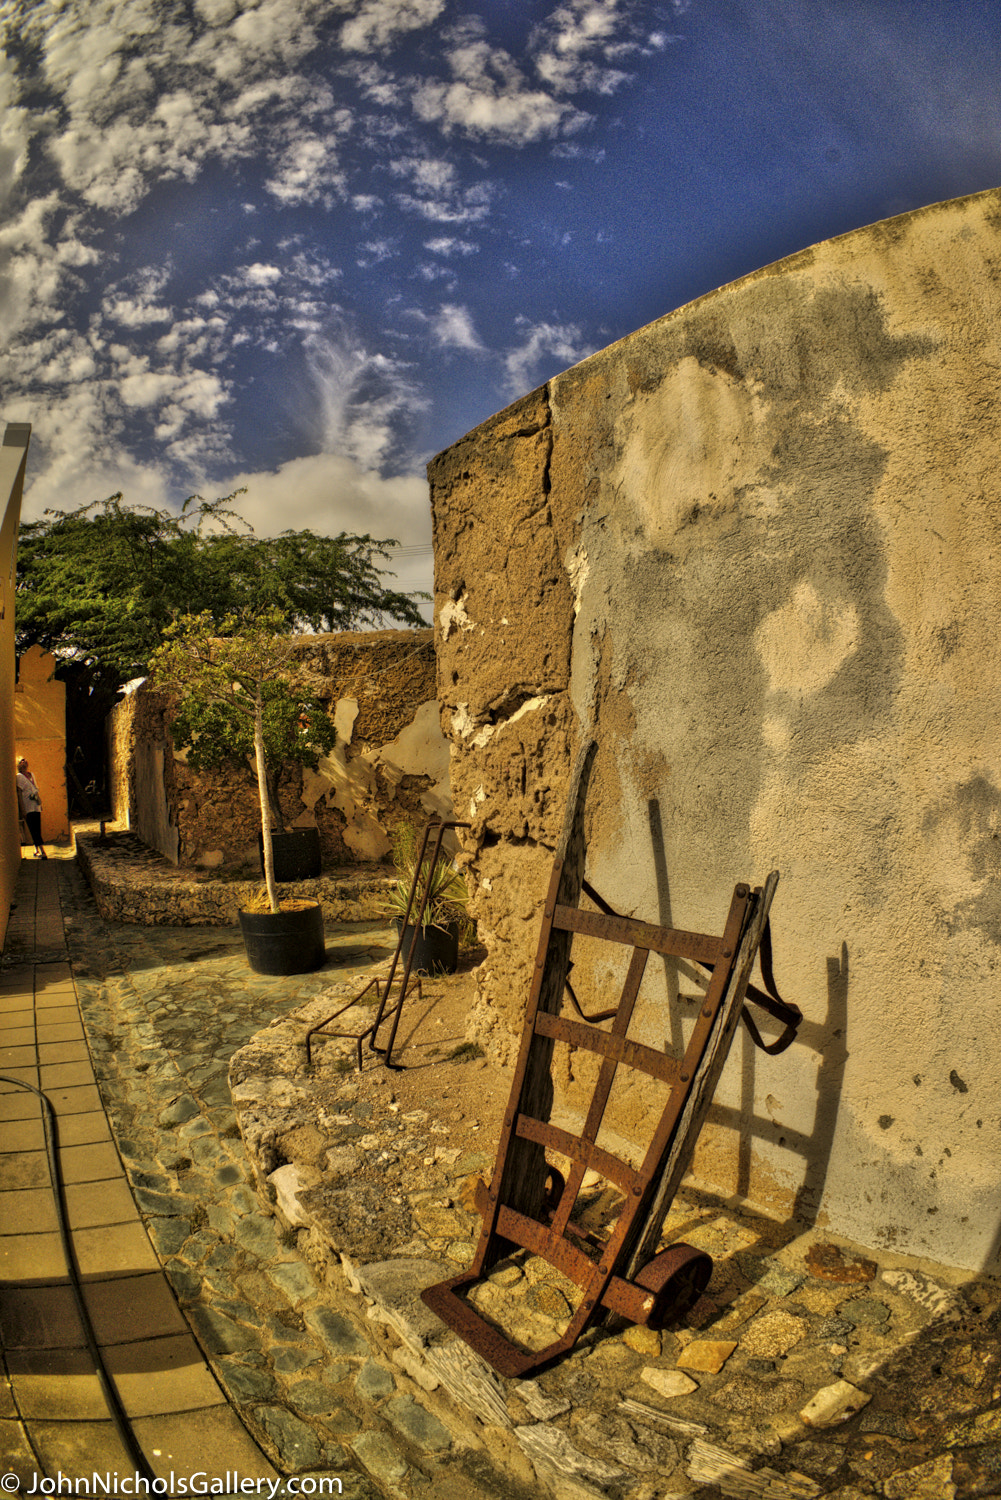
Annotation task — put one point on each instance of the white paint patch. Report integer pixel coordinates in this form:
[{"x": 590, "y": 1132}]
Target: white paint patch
[
  {"x": 530, "y": 706},
  {"x": 345, "y": 713},
  {"x": 463, "y": 722},
  {"x": 452, "y": 616},
  {"x": 803, "y": 644},
  {"x": 578, "y": 568}
]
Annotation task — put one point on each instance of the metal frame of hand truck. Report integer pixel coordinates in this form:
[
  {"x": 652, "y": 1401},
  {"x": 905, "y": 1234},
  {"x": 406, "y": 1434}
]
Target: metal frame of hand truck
[
  {"x": 382, "y": 994},
  {"x": 527, "y": 1204}
]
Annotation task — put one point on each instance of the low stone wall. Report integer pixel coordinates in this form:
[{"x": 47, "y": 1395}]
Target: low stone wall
[{"x": 134, "y": 884}]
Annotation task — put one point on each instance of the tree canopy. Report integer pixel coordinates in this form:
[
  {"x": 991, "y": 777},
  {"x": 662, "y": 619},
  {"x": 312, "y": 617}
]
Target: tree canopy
[{"x": 101, "y": 584}]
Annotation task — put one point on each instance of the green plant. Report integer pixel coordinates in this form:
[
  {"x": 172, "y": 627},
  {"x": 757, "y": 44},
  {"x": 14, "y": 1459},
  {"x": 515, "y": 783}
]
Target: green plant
[
  {"x": 240, "y": 700},
  {"x": 447, "y": 894}
]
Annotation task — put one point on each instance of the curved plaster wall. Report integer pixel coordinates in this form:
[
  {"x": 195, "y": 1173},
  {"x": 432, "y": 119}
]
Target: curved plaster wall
[{"x": 756, "y": 548}]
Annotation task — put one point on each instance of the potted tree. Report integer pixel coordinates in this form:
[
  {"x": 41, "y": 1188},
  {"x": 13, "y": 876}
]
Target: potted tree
[
  {"x": 239, "y": 699},
  {"x": 436, "y": 943}
]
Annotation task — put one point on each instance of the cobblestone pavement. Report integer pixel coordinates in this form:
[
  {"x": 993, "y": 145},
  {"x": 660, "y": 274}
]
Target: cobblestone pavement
[{"x": 709, "y": 1410}]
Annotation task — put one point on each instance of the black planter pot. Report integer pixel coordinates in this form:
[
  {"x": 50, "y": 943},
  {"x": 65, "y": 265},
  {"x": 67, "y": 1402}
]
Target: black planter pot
[
  {"x": 296, "y": 854},
  {"x": 284, "y": 942},
  {"x": 437, "y": 950}
]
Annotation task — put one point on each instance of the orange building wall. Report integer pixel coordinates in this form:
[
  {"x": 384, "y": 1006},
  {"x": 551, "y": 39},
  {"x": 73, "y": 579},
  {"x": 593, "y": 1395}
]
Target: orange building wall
[
  {"x": 40, "y": 736},
  {"x": 13, "y": 456}
]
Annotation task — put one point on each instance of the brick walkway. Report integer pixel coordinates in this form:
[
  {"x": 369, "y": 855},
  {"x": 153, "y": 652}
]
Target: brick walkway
[{"x": 53, "y": 1415}]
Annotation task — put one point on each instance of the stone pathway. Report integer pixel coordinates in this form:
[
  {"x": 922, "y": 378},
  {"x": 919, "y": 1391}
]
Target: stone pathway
[
  {"x": 163, "y": 1010},
  {"x": 787, "y": 1384}
]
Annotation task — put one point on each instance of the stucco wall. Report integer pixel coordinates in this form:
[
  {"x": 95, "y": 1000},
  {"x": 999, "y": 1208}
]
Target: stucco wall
[
  {"x": 13, "y": 458},
  {"x": 755, "y": 548},
  {"x": 389, "y": 763},
  {"x": 40, "y": 736}
]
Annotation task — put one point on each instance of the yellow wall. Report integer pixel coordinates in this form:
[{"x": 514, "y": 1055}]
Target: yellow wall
[
  {"x": 40, "y": 736},
  {"x": 13, "y": 456}
]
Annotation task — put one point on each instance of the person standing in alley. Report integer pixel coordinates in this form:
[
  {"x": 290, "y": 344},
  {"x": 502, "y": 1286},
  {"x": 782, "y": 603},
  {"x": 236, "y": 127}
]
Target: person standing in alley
[{"x": 29, "y": 805}]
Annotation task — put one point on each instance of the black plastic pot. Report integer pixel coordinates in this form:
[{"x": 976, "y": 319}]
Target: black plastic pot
[
  {"x": 296, "y": 854},
  {"x": 437, "y": 950},
  {"x": 284, "y": 942}
]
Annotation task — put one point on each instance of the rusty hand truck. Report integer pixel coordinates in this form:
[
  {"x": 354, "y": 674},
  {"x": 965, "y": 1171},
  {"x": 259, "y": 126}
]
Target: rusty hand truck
[
  {"x": 418, "y": 897},
  {"x": 528, "y": 1204}
]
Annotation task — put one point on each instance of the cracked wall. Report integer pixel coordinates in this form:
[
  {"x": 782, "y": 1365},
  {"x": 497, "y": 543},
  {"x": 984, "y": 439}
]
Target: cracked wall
[
  {"x": 755, "y": 549},
  {"x": 389, "y": 763}
]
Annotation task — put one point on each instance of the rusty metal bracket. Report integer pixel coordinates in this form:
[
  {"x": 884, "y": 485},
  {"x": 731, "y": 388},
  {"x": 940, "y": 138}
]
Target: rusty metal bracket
[
  {"x": 393, "y": 1013},
  {"x": 528, "y": 1205}
]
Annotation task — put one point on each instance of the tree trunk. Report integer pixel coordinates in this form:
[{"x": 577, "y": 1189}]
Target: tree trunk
[
  {"x": 262, "y": 792},
  {"x": 278, "y": 817}
]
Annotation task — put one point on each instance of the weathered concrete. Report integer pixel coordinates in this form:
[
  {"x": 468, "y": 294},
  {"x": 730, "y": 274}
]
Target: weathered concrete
[{"x": 753, "y": 548}]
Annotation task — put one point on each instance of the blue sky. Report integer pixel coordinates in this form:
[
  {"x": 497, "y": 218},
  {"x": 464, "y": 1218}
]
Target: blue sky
[{"x": 303, "y": 245}]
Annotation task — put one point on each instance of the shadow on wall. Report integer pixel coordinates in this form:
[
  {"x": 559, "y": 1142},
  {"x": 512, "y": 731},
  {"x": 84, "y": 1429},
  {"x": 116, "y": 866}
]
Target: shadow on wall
[{"x": 827, "y": 1038}]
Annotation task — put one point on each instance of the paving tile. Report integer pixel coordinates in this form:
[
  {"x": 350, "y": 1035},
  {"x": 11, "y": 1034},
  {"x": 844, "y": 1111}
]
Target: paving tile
[
  {"x": 57, "y": 1015},
  {"x": 39, "y": 1318},
  {"x": 23, "y": 1169},
  {"x": 13, "y": 1057},
  {"x": 18, "y": 1104},
  {"x": 26, "y": 1258},
  {"x": 72, "y": 1051},
  {"x": 132, "y": 1308},
  {"x": 56, "y": 1005},
  {"x": 20, "y": 1035},
  {"x": 163, "y": 1375},
  {"x": 90, "y": 1162},
  {"x": 108, "y": 1201},
  {"x": 28, "y": 1211},
  {"x": 56, "y": 1383},
  {"x": 85, "y": 1129},
  {"x": 65, "y": 1075},
  {"x": 53, "y": 979},
  {"x": 59, "y": 1031},
  {"x": 202, "y": 1441},
  {"x": 22, "y": 1135},
  {"x": 81, "y": 1449},
  {"x": 114, "y": 1250},
  {"x": 17, "y": 999},
  {"x": 74, "y": 1101},
  {"x": 17, "y": 1456},
  {"x": 25, "y": 1074}
]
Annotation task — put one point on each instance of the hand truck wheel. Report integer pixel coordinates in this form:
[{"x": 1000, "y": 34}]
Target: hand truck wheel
[{"x": 677, "y": 1276}]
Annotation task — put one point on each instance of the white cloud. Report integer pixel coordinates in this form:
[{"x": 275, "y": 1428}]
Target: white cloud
[
  {"x": 379, "y": 22},
  {"x": 542, "y": 344},
  {"x": 437, "y": 193},
  {"x": 14, "y": 130},
  {"x": 362, "y": 396},
  {"x": 452, "y": 327},
  {"x": 307, "y": 172},
  {"x": 260, "y": 275},
  {"x": 578, "y": 43},
  {"x": 490, "y": 98},
  {"x": 448, "y": 245}
]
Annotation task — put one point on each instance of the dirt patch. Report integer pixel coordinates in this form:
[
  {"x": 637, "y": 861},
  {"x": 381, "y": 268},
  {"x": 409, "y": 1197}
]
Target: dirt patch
[{"x": 435, "y": 1067}]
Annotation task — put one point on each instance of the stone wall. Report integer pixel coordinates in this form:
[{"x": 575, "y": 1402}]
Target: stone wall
[
  {"x": 389, "y": 764},
  {"x": 753, "y": 548}
]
